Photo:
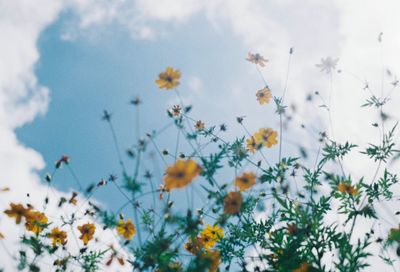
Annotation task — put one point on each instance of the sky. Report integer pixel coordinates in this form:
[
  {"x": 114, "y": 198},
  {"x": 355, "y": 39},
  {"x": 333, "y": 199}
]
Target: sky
[{"x": 63, "y": 62}]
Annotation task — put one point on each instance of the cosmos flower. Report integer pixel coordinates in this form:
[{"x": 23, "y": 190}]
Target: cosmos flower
[
  {"x": 245, "y": 181},
  {"x": 199, "y": 125},
  {"x": 168, "y": 79},
  {"x": 1, "y": 236},
  {"x": 126, "y": 229},
  {"x": 327, "y": 65},
  {"x": 233, "y": 203},
  {"x": 256, "y": 59},
  {"x": 87, "y": 231},
  {"x": 343, "y": 187},
  {"x": 252, "y": 144},
  {"x": 36, "y": 221},
  {"x": 214, "y": 258},
  {"x": 266, "y": 136},
  {"x": 194, "y": 245},
  {"x": 18, "y": 211},
  {"x": 264, "y": 95},
  {"x": 58, "y": 236},
  {"x": 181, "y": 174},
  {"x": 210, "y": 235}
]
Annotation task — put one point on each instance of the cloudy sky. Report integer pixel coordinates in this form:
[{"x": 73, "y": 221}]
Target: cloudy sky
[{"x": 63, "y": 62}]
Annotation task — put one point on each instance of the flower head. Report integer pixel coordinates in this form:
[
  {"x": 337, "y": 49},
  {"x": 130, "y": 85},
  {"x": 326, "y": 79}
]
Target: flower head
[
  {"x": 126, "y": 229},
  {"x": 253, "y": 144},
  {"x": 264, "y": 95},
  {"x": 199, "y": 125},
  {"x": 87, "y": 231},
  {"x": 181, "y": 174},
  {"x": 245, "y": 181},
  {"x": 214, "y": 259},
  {"x": 327, "y": 65},
  {"x": 233, "y": 203},
  {"x": 210, "y": 235},
  {"x": 266, "y": 136},
  {"x": 36, "y": 221},
  {"x": 194, "y": 245},
  {"x": 343, "y": 187},
  {"x": 168, "y": 79},
  {"x": 58, "y": 236},
  {"x": 18, "y": 211},
  {"x": 257, "y": 59}
]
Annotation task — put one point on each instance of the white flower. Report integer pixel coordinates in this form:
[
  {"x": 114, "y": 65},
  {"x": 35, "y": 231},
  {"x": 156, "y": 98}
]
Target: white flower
[{"x": 328, "y": 64}]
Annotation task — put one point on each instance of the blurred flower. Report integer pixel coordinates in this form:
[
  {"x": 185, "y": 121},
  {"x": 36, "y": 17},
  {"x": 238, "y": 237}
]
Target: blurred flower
[
  {"x": 17, "y": 211},
  {"x": 199, "y": 125},
  {"x": 327, "y": 65},
  {"x": 214, "y": 258},
  {"x": 58, "y": 236},
  {"x": 194, "y": 245},
  {"x": 343, "y": 187},
  {"x": 266, "y": 136},
  {"x": 233, "y": 203},
  {"x": 252, "y": 144},
  {"x": 181, "y": 173},
  {"x": 210, "y": 235},
  {"x": 245, "y": 181},
  {"x": 264, "y": 95},
  {"x": 5, "y": 189},
  {"x": 175, "y": 110},
  {"x": 168, "y": 79},
  {"x": 87, "y": 231},
  {"x": 126, "y": 229},
  {"x": 257, "y": 59},
  {"x": 304, "y": 267},
  {"x": 36, "y": 221},
  {"x": 1, "y": 236}
]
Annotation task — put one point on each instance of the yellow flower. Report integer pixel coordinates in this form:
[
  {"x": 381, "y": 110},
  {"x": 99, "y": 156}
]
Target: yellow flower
[
  {"x": 233, "y": 203},
  {"x": 17, "y": 211},
  {"x": 264, "y": 95},
  {"x": 194, "y": 245},
  {"x": 36, "y": 221},
  {"x": 87, "y": 231},
  {"x": 168, "y": 79},
  {"x": 245, "y": 181},
  {"x": 257, "y": 59},
  {"x": 1, "y": 236},
  {"x": 253, "y": 144},
  {"x": 266, "y": 136},
  {"x": 210, "y": 235},
  {"x": 181, "y": 174},
  {"x": 126, "y": 229},
  {"x": 58, "y": 236},
  {"x": 304, "y": 267},
  {"x": 347, "y": 188},
  {"x": 199, "y": 125}
]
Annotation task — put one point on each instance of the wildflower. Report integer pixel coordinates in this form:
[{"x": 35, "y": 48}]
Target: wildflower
[
  {"x": 36, "y": 221},
  {"x": 214, "y": 259},
  {"x": 126, "y": 229},
  {"x": 252, "y": 144},
  {"x": 210, "y": 235},
  {"x": 1, "y": 236},
  {"x": 199, "y": 125},
  {"x": 87, "y": 231},
  {"x": 245, "y": 181},
  {"x": 194, "y": 245},
  {"x": 5, "y": 189},
  {"x": 257, "y": 59},
  {"x": 266, "y": 137},
  {"x": 175, "y": 110},
  {"x": 58, "y": 236},
  {"x": 327, "y": 65},
  {"x": 181, "y": 173},
  {"x": 304, "y": 267},
  {"x": 264, "y": 95},
  {"x": 17, "y": 211},
  {"x": 347, "y": 188},
  {"x": 168, "y": 79},
  {"x": 233, "y": 203}
]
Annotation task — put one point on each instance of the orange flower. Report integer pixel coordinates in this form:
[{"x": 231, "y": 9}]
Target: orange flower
[
  {"x": 181, "y": 174},
  {"x": 126, "y": 229},
  {"x": 214, "y": 259},
  {"x": 1, "y": 236},
  {"x": 266, "y": 136},
  {"x": 347, "y": 188},
  {"x": 264, "y": 95},
  {"x": 168, "y": 79},
  {"x": 87, "y": 231},
  {"x": 194, "y": 245},
  {"x": 245, "y": 181},
  {"x": 17, "y": 211},
  {"x": 36, "y": 221},
  {"x": 233, "y": 203},
  {"x": 257, "y": 59},
  {"x": 199, "y": 125},
  {"x": 253, "y": 144},
  {"x": 58, "y": 236},
  {"x": 304, "y": 267}
]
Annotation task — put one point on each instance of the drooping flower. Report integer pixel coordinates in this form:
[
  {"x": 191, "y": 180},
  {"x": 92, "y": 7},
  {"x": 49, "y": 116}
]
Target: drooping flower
[
  {"x": 327, "y": 65},
  {"x": 245, "y": 181},
  {"x": 233, "y": 203},
  {"x": 36, "y": 221},
  {"x": 267, "y": 137},
  {"x": 199, "y": 125},
  {"x": 18, "y": 211},
  {"x": 168, "y": 79},
  {"x": 87, "y": 231},
  {"x": 257, "y": 59},
  {"x": 126, "y": 229},
  {"x": 210, "y": 235},
  {"x": 181, "y": 174},
  {"x": 58, "y": 236},
  {"x": 264, "y": 95},
  {"x": 344, "y": 187}
]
